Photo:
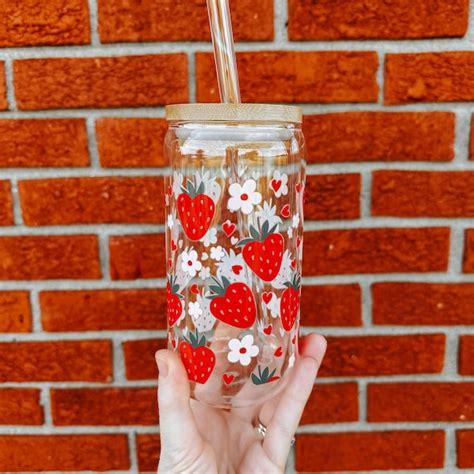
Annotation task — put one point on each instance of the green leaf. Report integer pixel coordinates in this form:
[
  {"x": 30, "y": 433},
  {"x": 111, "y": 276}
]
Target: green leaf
[
  {"x": 273, "y": 229},
  {"x": 175, "y": 288},
  {"x": 200, "y": 189},
  {"x": 254, "y": 233},
  {"x": 272, "y": 374},
  {"x": 256, "y": 380},
  {"x": 265, "y": 373},
  {"x": 225, "y": 282},
  {"x": 244, "y": 242},
  {"x": 265, "y": 228}
]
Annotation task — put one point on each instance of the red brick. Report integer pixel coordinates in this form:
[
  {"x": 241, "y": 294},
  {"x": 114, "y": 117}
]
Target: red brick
[
  {"x": 468, "y": 264},
  {"x": 6, "y": 203},
  {"x": 382, "y": 450},
  {"x": 56, "y": 22},
  {"x": 3, "y": 88},
  {"x": 28, "y": 143},
  {"x": 466, "y": 355},
  {"x": 125, "y": 81},
  {"x": 104, "y": 406},
  {"x": 20, "y": 406},
  {"x": 15, "y": 311},
  {"x": 331, "y": 305},
  {"x": 423, "y": 193},
  {"x": 379, "y": 136},
  {"x": 131, "y": 142},
  {"x": 92, "y": 200},
  {"x": 421, "y": 402},
  {"x": 95, "y": 310},
  {"x": 429, "y": 77},
  {"x": 377, "y": 250},
  {"x": 465, "y": 448},
  {"x": 182, "y": 20},
  {"x": 332, "y": 403},
  {"x": 35, "y": 257},
  {"x": 148, "y": 452},
  {"x": 137, "y": 256},
  {"x": 89, "y": 452},
  {"x": 295, "y": 76},
  {"x": 140, "y": 358},
  {"x": 89, "y": 361},
  {"x": 384, "y": 355},
  {"x": 432, "y": 304},
  {"x": 400, "y": 19},
  {"x": 332, "y": 197}
]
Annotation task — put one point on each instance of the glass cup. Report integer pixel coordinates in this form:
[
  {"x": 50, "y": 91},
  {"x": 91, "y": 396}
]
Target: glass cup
[{"x": 234, "y": 245}]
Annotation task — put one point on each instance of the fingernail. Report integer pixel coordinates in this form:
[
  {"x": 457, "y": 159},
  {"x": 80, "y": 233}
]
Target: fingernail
[{"x": 162, "y": 367}]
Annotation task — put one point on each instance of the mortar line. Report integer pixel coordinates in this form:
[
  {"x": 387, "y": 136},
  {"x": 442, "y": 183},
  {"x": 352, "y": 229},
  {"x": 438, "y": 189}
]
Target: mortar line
[
  {"x": 380, "y": 76},
  {"x": 365, "y": 194},
  {"x": 94, "y": 23},
  {"x": 462, "y": 136},
  {"x": 132, "y": 448},
  {"x": 456, "y": 249},
  {"x": 46, "y": 403},
  {"x": 16, "y": 204},
  {"x": 280, "y": 24},
  {"x": 192, "y": 77},
  {"x": 37, "y": 325},
  {"x": 366, "y": 303},
  {"x": 450, "y": 456},
  {"x": 8, "y": 72},
  {"x": 104, "y": 256},
  {"x": 451, "y": 355},
  {"x": 363, "y": 400},
  {"x": 92, "y": 146},
  {"x": 118, "y": 361}
]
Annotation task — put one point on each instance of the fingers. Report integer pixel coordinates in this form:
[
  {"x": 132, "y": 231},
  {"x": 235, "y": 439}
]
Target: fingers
[
  {"x": 285, "y": 420},
  {"x": 178, "y": 431}
]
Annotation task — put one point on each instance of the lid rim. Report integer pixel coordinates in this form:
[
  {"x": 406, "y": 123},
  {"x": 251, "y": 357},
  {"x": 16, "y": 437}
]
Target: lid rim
[{"x": 234, "y": 112}]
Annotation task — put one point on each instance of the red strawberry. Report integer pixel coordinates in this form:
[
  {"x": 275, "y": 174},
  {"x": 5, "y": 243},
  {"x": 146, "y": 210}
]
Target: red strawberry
[
  {"x": 198, "y": 360},
  {"x": 290, "y": 303},
  {"x": 263, "y": 251},
  {"x": 233, "y": 304},
  {"x": 196, "y": 211},
  {"x": 174, "y": 307}
]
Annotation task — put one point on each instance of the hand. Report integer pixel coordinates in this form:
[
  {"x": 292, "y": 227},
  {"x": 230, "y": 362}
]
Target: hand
[{"x": 199, "y": 439}]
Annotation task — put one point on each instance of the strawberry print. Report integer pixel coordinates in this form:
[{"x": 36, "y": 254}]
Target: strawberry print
[
  {"x": 233, "y": 303},
  {"x": 290, "y": 303},
  {"x": 174, "y": 307},
  {"x": 198, "y": 360},
  {"x": 196, "y": 210},
  {"x": 263, "y": 251},
  {"x": 264, "y": 376}
]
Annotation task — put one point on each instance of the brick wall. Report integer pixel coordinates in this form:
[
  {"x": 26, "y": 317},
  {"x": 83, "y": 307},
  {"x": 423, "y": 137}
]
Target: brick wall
[{"x": 387, "y": 89}]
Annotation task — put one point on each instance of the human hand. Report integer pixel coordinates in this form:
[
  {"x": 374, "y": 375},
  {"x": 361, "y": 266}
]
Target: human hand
[{"x": 196, "y": 438}]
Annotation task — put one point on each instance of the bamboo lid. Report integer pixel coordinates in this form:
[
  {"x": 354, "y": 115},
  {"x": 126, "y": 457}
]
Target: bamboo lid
[{"x": 234, "y": 112}]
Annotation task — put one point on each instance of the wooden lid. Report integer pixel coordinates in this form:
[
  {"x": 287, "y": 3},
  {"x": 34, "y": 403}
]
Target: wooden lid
[{"x": 234, "y": 113}]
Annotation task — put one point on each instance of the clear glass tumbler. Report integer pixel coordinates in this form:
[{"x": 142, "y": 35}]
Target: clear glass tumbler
[{"x": 234, "y": 242}]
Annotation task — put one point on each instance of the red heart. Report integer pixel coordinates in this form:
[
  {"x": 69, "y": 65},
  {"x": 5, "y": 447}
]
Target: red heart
[
  {"x": 298, "y": 241},
  {"x": 229, "y": 228},
  {"x": 278, "y": 352},
  {"x": 276, "y": 184},
  {"x": 173, "y": 343},
  {"x": 169, "y": 190},
  {"x": 173, "y": 245},
  {"x": 293, "y": 263},
  {"x": 228, "y": 378},
  {"x": 298, "y": 187},
  {"x": 285, "y": 211},
  {"x": 237, "y": 269},
  {"x": 195, "y": 289},
  {"x": 267, "y": 297},
  {"x": 294, "y": 339},
  {"x": 268, "y": 330},
  {"x": 170, "y": 262}
]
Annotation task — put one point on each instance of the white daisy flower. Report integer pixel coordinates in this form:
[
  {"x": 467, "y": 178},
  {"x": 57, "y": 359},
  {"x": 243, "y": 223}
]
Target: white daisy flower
[
  {"x": 210, "y": 237},
  {"x": 205, "y": 273},
  {"x": 190, "y": 263},
  {"x": 296, "y": 221},
  {"x": 279, "y": 183},
  {"x": 170, "y": 221},
  {"x": 244, "y": 198},
  {"x": 194, "y": 309},
  {"x": 267, "y": 212},
  {"x": 242, "y": 350},
  {"x": 217, "y": 253},
  {"x": 177, "y": 182}
]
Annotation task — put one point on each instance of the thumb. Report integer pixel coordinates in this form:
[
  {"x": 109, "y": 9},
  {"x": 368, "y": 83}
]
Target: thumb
[{"x": 178, "y": 431}]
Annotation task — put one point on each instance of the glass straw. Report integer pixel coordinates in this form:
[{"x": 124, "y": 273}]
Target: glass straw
[{"x": 223, "y": 41}]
